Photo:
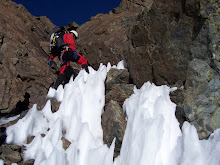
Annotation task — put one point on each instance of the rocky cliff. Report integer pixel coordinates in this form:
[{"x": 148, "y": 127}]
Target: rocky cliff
[
  {"x": 173, "y": 42},
  {"x": 24, "y": 74}
]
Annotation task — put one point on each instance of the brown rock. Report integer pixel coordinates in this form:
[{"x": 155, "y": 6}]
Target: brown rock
[
  {"x": 66, "y": 143},
  {"x": 23, "y": 58},
  {"x": 54, "y": 105},
  {"x": 30, "y": 139},
  {"x": 105, "y": 37},
  {"x": 28, "y": 162},
  {"x": 119, "y": 93},
  {"x": 113, "y": 119},
  {"x": 10, "y": 153},
  {"x": 160, "y": 45},
  {"x": 135, "y": 5},
  {"x": 113, "y": 124},
  {"x": 14, "y": 157},
  {"x": 116, "y": 76}
]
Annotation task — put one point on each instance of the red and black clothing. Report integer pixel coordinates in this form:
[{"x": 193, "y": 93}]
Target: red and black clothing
[{"x": 68, "y": 55}]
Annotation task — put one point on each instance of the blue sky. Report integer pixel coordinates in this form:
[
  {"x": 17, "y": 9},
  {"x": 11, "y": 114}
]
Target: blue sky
[{"x": 61, "y": 12}]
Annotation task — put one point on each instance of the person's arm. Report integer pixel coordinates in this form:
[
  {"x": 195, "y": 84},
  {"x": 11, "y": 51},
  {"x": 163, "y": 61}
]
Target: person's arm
[
  {"x": 51, "y": 57},
  {"x": 51, "y": 60},
  {"x": 82, "y": 60}
]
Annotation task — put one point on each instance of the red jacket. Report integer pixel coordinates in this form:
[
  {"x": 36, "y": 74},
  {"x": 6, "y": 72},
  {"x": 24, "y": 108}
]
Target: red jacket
[{"x": 69, "y": 40}]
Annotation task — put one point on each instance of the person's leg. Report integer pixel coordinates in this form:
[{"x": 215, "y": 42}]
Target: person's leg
[
  {"x": 61, "y": 75},
  {"x": 79, "y": 59},
  {"x": 69, "y": 71},
  {"x": 59, "y": 80},
  {"x": 83, "y": 62}
]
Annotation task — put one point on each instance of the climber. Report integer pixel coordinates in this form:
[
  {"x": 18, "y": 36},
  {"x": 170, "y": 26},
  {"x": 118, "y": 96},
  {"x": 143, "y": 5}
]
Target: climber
[{"x": 68, "y": 53}]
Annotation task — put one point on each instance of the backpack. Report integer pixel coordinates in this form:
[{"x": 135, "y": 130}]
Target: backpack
[{"x": 57, "y": 44}]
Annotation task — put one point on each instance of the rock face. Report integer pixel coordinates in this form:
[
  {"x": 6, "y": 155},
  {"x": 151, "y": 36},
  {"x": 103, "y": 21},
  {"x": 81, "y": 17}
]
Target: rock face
[
  {"x": 202, "y": 97},
  {"x": 23, "y": 58},
  {"x": 105, "y": 37},
  {"x": 133, "y": 6},
  {"x": 172, "y": 42},
  {"x": 159, "y": 41},
  {"x": 202, "y": 79}
]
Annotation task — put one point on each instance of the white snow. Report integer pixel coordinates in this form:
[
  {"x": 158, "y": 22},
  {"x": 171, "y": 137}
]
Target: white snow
[{"x": 152, "y": 135}]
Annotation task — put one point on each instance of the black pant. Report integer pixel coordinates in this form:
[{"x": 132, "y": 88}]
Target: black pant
[{"x": 66, "y": 70}]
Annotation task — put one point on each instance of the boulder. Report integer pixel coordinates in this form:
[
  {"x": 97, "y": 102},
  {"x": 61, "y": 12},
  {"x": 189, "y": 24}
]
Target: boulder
[
  {"x": 113, "y": 124},
  {"x": 119, "y": 93},
  {"x": 117, "y": 86},
  {"x": 113, "y": 119},
  {"x": 10, "y": 153},
  {"x": 116, "y": 76},
  {"x": 66, "y": 143}
]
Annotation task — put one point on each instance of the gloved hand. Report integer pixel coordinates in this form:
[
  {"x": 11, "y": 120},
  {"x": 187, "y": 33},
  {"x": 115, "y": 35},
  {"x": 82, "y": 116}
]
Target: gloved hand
[
  {"x": 50, "y": 63},
  {"x": 85, "y": 66}
]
